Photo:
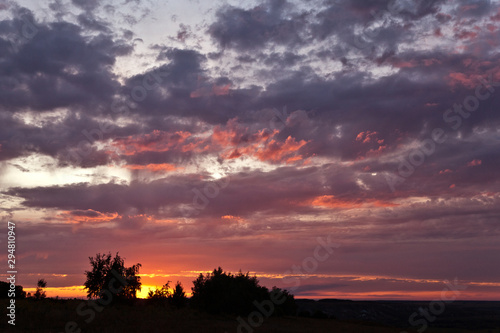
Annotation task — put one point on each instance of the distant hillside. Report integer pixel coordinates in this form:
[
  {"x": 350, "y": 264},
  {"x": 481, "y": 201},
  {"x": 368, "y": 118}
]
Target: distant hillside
[{"x": 458, "y": 314}]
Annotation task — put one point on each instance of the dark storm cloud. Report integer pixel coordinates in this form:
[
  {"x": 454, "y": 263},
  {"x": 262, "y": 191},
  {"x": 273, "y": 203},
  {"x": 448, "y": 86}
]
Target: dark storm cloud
[
  {"x": 384, "y": 24},
  {"x": 53, "y": 65},
  {"x": 92, "y": 23},
  {"x": 247, "y": 194},
  {"x": 254, "y": 28},
  {"x": 392, "y": 106},
  {"x": 86, "y": 4},
  {"x": 183, "y": 68},
  {"x": 58, "y": 68},
  {"x": 474, "y": 8},
  {"x": 284, "y": 59}
]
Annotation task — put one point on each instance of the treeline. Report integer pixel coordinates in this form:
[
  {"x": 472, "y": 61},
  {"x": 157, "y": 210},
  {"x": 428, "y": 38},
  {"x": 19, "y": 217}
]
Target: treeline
[
  {"x": 217, "y": 292},
  {"x": 109, "y": 281},
  {"x": 9, "y": 290}
]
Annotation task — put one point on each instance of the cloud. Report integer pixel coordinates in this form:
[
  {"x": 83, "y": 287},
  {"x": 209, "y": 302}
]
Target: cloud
[
  {"x": 275, "y": 125},
  {"x": 254, "y": 28}
]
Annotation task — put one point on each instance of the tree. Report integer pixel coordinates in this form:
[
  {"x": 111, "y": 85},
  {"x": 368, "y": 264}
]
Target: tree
[
  {"x": 178, "y": 296},
  {"x": 5, "y": 290},
  {"x": 165, "y": 295},
  {"x": 160, "y": 294},
  {"x": 221, "y": 292},
  {"x": 40, "y": 293},
  {"x": 108, "y": 273},
  {"x": 288, "y": 306}
]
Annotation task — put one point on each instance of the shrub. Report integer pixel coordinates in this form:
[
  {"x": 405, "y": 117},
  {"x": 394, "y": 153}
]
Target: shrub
[{"x": 221, "y": 292}]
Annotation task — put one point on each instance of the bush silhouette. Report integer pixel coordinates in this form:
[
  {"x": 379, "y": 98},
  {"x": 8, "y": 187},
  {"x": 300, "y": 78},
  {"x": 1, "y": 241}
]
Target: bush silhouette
[
  {"x": 160, "y": 294},
  {"x": 179, "y": 296},
  {"x": 5, "y": 289},
  {"x": 106, "y": 274},
  {"x": 221, "y": 292},
  {"x": 288, "y": 306},
  {"x": 40, "y": 293},
  {"x": 164, "y": 295}
]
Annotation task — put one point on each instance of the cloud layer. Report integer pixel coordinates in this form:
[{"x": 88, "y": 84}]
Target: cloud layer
[{"x": 242, "y": 142}]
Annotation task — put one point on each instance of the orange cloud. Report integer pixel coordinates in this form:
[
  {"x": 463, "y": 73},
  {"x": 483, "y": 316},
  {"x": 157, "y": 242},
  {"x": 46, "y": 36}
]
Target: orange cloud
[
  {"x": 261, "y": 144},
  {"x": 331, "y": 202},
  {"x": 367, "y": 137},
  {"x": 230, "y": 141},
  {"x": 278, "y": 151},
  {"x": 230, "y": 217},
  {"x": 87, "y": 216},
  {"x": 229, "y": 136},
  {"x": 196, "y": 146},
  {"x": 153, "y": 167}
]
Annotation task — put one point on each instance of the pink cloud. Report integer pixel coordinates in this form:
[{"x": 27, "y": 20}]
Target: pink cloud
[
  {"x": 214, "y": 91},
  {"x": 468, "y": 81},
  {"x": 474, "y": 163},
  {"x": 466, "y": 34},
  {"x": 367, "y": 137}
]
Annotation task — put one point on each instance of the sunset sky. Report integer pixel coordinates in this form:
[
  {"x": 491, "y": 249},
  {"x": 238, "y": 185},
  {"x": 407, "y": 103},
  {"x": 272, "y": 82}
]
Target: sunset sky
[{"x": 189, "y": 135}]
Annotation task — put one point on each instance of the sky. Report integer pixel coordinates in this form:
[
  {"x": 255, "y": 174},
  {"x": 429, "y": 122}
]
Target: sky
[{"x": 338, "y": 149}]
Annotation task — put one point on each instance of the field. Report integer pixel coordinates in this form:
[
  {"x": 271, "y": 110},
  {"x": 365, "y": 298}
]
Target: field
[{"x": 53, "y": 315}]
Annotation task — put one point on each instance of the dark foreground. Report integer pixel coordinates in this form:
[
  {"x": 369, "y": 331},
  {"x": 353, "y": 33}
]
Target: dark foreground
[{"x": 321, "y": 316}]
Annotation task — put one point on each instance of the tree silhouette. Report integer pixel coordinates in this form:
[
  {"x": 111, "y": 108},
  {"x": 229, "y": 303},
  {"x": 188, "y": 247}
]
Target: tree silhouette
[
  {"x": 107, "y": 273},
  {"x": 178, "y": 296},
  {"x": 285, "y": 307},
  {"x": 160, "y": 294},
  {"x": 164, "y": 295},
  {"x": 5, "y": 290},
  {"x": 40, "y": 293},
  {"x": 221, "y": 292}
]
